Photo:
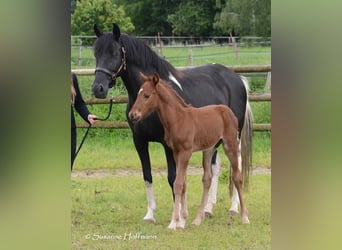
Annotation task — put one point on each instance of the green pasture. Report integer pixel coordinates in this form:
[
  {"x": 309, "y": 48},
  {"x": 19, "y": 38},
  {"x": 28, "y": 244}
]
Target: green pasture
[
  {"x": 179, "y": 56},
  {"x": 107, "y": 213}
]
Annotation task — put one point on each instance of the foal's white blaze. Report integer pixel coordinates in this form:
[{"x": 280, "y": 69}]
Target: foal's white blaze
[
  {"x": 172, "y": 78},
  {"x": 151, "y": 203},
  {"x": 234, "y": 209}
]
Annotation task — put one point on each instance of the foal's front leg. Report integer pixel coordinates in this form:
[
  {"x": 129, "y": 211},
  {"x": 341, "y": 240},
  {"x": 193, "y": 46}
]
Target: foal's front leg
[
  {"x": 206, "y": 180},
  {"x": 180, "y": 210}
]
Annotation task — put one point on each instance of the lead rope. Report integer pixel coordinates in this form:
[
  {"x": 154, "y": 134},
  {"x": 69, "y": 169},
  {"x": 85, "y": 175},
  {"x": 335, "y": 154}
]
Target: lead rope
[{"x": 111, "y": 101}]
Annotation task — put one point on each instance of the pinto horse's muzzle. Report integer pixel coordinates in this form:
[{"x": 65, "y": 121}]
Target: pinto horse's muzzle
[{"x": 100, "y": 89}]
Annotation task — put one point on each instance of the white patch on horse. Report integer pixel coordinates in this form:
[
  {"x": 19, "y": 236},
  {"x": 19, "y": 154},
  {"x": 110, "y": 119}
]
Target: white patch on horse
[
  {"x": 215, "y": 170},
  {"x": 175, "y": 81},
  {"x": 151, "y": 203},
  {"x": 141, "y": 90},
  {"x": 234, "y": 208}
]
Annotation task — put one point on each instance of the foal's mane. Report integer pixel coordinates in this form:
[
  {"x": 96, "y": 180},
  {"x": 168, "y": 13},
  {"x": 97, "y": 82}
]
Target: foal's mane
[{"x": 167, "y": 92}]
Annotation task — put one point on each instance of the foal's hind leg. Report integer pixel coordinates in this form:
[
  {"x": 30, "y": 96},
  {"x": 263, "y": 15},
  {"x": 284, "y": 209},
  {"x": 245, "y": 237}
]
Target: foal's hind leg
[
  {"x": 206, "y": 180},
  {"x": 231, "y": 150}
]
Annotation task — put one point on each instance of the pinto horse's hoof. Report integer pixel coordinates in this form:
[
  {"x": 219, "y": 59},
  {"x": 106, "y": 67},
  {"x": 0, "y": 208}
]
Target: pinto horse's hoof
[
  {"x": 150, "y": 219},
  {"x": 208, "y": 215},
  {"x": 233, "y": 212}
]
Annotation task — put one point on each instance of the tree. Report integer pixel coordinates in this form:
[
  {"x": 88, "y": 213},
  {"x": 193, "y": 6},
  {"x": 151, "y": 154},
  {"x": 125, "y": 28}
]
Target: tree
[
  {"x": 102, "y": 12},
  {"x": 193, "y": 18},
  {"x": 149, "y": 16},
  {"x": 245, "y": 17},
  {"x": 72, "y": 6},
  {"x": 263, "y": 18}
]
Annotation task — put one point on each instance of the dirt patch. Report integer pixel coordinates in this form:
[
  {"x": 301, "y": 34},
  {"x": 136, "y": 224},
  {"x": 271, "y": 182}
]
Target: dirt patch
[{"x": 192, "y": 170}]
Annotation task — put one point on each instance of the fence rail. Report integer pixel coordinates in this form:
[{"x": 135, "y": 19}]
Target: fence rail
[
  {"x": 236, "y": 69},
  {"x": 124, "y": 99}
]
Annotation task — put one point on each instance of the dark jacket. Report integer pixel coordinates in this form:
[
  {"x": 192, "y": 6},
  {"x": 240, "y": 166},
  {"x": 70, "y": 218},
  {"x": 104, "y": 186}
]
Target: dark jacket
[{"x": 79, "y": 104}]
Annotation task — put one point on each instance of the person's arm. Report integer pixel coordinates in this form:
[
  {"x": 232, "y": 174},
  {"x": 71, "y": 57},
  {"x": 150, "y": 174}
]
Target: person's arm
[{"x": 80, "y": 105}]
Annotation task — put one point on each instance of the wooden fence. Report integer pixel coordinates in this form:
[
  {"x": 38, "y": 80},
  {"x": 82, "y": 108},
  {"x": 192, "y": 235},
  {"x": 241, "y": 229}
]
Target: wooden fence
[{"x": 123, "y": 99}]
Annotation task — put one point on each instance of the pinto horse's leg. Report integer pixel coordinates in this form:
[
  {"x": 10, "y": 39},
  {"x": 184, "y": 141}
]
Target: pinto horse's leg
[
  {"x": 206, "y": 180},
  {"x": 171, "y": 167},
  {"x": 215, "y": 170},
  {"x": 234, "y": 208},
  {"x": 231, "y": 149},
  {"x": 142, "y": 149}
]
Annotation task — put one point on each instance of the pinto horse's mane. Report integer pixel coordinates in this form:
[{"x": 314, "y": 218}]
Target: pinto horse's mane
[
  {"x": 141, "y": 54},
  {"x": 137, "y": 52},
  {"x": 167, "y": 92}
]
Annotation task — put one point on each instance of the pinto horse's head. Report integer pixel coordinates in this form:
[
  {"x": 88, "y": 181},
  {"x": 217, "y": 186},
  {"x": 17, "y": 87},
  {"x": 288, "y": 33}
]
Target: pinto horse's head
[{"x": 110, "y": 60}]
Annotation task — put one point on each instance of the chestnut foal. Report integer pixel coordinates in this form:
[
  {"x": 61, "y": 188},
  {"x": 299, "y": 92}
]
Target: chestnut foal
[{"x": 188, "y": 129}]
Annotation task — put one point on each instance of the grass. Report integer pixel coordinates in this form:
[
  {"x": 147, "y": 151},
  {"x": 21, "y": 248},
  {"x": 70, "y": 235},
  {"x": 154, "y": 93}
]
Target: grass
[{"x": 107, "y": 214}]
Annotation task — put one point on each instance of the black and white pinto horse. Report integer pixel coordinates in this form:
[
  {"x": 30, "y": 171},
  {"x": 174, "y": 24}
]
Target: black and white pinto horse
[{"x": 125, "y": 56}]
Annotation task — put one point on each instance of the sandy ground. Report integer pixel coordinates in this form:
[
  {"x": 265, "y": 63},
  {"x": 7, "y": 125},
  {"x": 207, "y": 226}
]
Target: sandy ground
[{"x": 102, "y": 173}]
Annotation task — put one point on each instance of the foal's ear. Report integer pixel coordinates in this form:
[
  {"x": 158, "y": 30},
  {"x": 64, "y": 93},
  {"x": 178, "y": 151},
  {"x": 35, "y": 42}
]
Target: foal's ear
[
  {"x": 116, "y": 32},
  {"x": 143, "y": 77},
  {"x": 98, "y": 32},
  {"x": 155, "y": 78}
]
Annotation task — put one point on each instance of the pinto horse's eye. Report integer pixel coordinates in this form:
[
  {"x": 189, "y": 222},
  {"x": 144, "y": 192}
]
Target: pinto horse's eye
[{"x": 146, "y": 96}]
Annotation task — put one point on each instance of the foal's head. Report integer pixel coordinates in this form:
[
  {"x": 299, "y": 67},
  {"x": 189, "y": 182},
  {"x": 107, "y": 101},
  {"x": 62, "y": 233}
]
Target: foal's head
[{"x": 147, "y": 99}]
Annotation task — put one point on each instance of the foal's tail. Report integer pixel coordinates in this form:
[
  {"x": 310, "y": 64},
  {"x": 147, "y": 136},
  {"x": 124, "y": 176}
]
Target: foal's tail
[{"x": 246, "y": 139}]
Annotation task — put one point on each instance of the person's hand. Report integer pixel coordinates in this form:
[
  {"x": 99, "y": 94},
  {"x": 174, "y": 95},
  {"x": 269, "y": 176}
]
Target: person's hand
[{"x": 92, "y": 118}]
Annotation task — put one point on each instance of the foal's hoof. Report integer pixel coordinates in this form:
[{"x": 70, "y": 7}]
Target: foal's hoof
[
  {"x": 245, "y": 221},
  {"x": 196, "y": 222},
  {"x": 172, "y": 226}
]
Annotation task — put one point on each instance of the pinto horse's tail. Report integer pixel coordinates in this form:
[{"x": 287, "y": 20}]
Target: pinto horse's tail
[{"x": 246, "y": 140}]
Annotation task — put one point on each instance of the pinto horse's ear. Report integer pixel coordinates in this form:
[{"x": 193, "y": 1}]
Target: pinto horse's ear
[
  {"x": 116, "y": 32},
  {"x": 155, "y": 78},
  {"x": 98, "y": 32}
]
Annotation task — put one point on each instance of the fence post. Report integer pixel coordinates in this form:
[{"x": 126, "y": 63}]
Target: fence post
[
  {"x": 267, "y": 88},
  {"x": 160, "y": 51},
  {"x": 234, "y": 45},
  {"x": 80, "y": 54},
  {"x": 191, "y": 58}
]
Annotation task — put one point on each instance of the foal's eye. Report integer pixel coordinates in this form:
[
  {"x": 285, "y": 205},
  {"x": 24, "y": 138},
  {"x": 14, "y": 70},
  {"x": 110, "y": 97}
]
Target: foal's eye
[{"x": 146, "y": 96}]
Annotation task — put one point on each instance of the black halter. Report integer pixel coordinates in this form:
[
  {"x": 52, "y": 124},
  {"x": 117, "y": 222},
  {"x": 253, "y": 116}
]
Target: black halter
[{"x": 122, "y": 66}]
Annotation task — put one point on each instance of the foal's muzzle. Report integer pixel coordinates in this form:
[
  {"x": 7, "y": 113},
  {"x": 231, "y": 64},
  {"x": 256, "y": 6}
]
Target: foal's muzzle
[{"x": 134, "y": 116}]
